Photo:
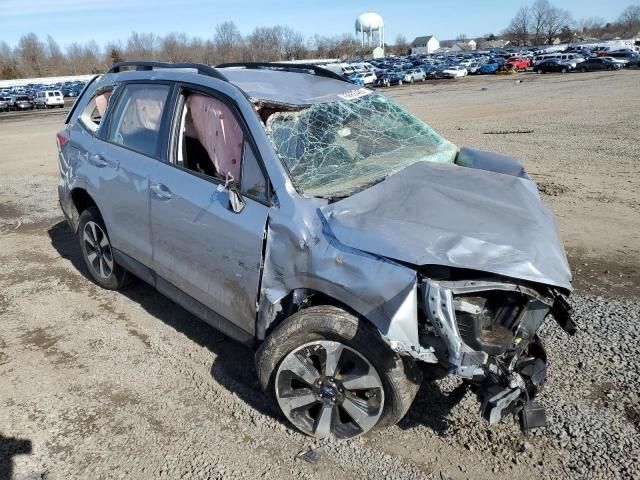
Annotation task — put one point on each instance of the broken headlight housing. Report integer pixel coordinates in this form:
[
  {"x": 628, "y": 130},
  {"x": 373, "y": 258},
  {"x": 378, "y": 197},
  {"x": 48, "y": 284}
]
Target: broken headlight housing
[{"x": 486, "y": 321}]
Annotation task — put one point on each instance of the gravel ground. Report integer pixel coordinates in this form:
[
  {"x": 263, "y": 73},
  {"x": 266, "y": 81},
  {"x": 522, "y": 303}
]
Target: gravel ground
[{"x": 100, "y": 384}]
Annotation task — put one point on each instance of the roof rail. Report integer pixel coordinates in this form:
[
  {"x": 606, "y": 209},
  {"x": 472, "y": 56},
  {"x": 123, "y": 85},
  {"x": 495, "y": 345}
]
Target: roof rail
[
  {"x": 201, "y": 68},
  {"x": 292, "y": 67}
]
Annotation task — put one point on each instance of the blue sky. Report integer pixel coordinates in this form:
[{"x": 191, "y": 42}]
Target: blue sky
[{"x": 104, "y": 20}]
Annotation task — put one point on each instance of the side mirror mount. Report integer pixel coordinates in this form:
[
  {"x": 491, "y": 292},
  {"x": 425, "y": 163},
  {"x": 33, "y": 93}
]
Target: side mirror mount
[{"x": 236, "y": 202}]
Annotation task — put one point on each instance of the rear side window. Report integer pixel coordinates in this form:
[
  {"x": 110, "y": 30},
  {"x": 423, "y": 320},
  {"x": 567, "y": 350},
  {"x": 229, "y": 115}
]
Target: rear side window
[
  {"x": 95, "y": 110},
  {"x": 137, "y": 116}
]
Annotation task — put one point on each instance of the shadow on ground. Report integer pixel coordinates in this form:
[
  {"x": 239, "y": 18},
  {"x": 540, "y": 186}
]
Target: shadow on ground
[
  {"x": 233, "y": 366},
  {"x": 432, "y": 407},
  {"x": 9, "y": 448}
]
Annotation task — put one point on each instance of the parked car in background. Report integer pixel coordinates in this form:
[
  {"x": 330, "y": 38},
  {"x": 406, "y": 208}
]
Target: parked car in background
[
  {"x": 598, "y": 63},
  {"x": 4, "y": 104},
  {"x": 363, "y": 78},
  {"x": 389, "y": 79},
  {"x": 473, "y": 68},
  {"x": 488, "y": 68},
  {"x": 414, "y": 75},
  {"x": 629, "y": 57},
  {"x": 455, "y": 71},
  {"x": 622, "y": 62},
  {"x": 49, "y": 99},
  {"x": 552, "y": 65},
  {"x": 21, "y": 102},
  {"x": 521, "y": 63}
]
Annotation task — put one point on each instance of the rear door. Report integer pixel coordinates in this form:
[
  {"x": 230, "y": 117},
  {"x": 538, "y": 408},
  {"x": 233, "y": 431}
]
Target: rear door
[
  {"x": 200, "y": 245},
  {"x": 124, "y": 153}
]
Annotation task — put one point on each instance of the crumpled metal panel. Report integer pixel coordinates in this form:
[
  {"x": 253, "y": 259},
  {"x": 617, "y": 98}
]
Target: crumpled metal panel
[
  {"x": 302, "y": 252},
  {"x": 442, "y": 214}
]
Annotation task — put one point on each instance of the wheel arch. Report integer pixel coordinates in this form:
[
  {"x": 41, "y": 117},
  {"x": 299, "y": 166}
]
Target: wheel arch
[
  {"x": 79, "y": 201},
  {"x": 274, "y": 312}
]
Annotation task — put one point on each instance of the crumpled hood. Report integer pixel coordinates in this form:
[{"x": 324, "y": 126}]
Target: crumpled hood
[{"x": 445, "y": 214}]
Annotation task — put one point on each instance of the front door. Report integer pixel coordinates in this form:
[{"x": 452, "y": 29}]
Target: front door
[{"x": 200, "y": 245}]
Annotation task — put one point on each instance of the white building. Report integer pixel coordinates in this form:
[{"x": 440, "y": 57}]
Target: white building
[{"x": 428, "y": 44}]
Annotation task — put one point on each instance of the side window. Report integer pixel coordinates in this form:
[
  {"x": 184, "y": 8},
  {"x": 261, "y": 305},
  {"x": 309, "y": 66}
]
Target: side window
[
  {"x": 137, "y": 116},
  {"x": 92, "y": 115},
  {"x": 211, "y": 142}
]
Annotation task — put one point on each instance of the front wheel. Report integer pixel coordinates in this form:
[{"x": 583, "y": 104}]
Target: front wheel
[
  {"x": 540, "y": 71},
  {"x": 97, "y": 252},
  {"x": 611, "y": 68},
  {"x": 332, "y": 375},
  {"x": 583, "y": 70},
  {"x": 564, "y": 70}
]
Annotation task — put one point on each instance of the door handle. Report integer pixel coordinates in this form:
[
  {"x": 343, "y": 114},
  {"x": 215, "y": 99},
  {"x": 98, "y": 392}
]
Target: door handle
[
  {"x": 161, "y": 191},
  {"x": 101, "y": 162}
]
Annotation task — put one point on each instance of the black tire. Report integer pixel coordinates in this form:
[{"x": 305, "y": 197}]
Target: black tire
[
  {"x": 400, "y": 376},
  {"x": 583, "y": 70},
  {"x": 540, "y": 71},
  {"x": 564, "y": 70},
  {"x": 118, "y": 276},
  {"x": 611, "y": 68}
]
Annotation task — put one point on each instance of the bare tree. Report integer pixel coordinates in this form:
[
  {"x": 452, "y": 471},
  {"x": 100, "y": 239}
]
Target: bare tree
[
  {"x": 539, "y": 13},
  {"x": 518, "y": 29},
  {"x": 175, "y": 47},
  {"x": 593, "y": 26},
  {"x": 629, "y": 20},
  {"x": 461, "y": 38},
  {"x": 228, "y": 42},
  {"x": 293, "y": 44},
  {"x": 31, "y": 55},
  {"x": 56, "y": 61},
  {"x": 556, "y": 19},
  {"x": 142, "y": 46},
  {"x": 401, "y": 46}
]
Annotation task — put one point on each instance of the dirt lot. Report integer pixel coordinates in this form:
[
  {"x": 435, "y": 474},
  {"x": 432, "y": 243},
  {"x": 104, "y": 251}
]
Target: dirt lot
[{"x": 98, "y": 384}]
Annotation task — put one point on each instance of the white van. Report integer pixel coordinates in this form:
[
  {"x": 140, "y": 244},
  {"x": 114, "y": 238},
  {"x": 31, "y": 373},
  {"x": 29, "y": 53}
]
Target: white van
[{"x": 49, "y": 99}]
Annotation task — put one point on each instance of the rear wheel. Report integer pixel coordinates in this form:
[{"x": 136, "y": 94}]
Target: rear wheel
[
  {"x": 564, "y": 70},
  {"x": 332, "y": 375},
  {"x": 540, "y": 71},
  {"x": 97, "y": 252}
]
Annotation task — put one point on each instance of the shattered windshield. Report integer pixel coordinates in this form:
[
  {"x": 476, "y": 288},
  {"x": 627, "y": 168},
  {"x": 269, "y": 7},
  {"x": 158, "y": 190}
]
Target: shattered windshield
[{"x": 336, "y": 149}]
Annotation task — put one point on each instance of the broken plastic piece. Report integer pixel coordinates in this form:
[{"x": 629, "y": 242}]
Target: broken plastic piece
[{"x": 532, "y": 416}]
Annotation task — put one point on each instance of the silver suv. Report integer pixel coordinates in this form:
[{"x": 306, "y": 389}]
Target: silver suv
[{"x": 354, "y": 248}]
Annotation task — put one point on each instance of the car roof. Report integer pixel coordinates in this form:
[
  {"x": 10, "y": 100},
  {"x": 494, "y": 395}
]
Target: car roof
[
  {"x": 291, "y": 84},
  {"x": 292, "y": 88}
]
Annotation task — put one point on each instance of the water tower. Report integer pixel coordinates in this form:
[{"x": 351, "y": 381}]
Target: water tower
[{"x": 370, "y": 30}]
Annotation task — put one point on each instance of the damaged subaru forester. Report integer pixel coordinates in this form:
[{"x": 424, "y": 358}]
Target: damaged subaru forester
[{"x": 318, "y": 222}]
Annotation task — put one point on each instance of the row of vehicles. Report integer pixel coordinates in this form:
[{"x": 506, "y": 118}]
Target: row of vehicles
[
  {"x": 42, "y": 99},
  {"x": 34, "y": 96},
  {"x": 389, "y": 71}
]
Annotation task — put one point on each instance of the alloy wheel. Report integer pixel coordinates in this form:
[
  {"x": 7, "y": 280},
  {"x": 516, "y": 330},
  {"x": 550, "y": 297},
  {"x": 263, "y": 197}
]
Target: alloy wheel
[
  {"x": 327, "y": 388},
  {"x": 98, "y": 249}
]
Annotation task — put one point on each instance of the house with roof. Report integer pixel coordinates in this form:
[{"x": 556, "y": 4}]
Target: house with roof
[{"x": 426, "y": 44}]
